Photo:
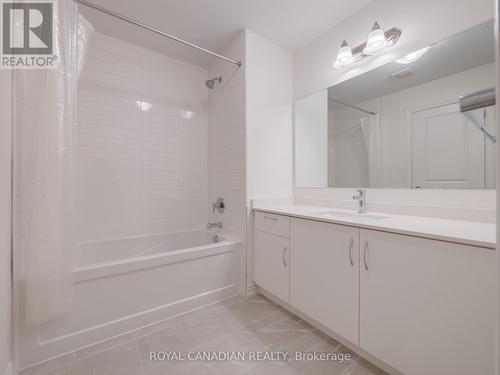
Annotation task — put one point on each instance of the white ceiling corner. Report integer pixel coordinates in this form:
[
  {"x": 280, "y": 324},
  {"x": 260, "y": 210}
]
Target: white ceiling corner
[{"x": 213, "y": 24}]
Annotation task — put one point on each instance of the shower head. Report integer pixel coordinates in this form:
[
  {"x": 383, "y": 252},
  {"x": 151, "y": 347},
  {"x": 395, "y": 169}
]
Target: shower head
[{"x": 211, "y": 82}]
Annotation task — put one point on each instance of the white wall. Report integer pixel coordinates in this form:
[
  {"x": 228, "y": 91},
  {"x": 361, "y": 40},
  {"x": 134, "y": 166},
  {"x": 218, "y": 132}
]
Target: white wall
[
  {"x": 311, "y": 140},
  {"x": 422, "y": 23},
  {"x": 5, "y": 223},
  {"x": 140, "y": 172},
  {"x": 269, "y": 162}
]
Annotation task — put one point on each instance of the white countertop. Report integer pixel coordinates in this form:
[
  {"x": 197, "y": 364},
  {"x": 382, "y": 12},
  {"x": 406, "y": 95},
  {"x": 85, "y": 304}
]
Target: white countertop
[{"x": 464, "y": 232}]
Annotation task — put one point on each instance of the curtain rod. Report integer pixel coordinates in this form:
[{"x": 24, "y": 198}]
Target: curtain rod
[
  {"x": 352, "y": 106},
  {"x": 159, "y": 32}
]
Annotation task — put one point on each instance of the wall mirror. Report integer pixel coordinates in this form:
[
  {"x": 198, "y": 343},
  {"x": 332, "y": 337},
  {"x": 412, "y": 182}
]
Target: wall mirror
[{"x": 400, "y": 125}]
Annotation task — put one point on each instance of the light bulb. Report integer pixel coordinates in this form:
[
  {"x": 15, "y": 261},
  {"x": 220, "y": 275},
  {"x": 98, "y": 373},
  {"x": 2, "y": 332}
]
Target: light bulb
[
  {"x": 376, "y": 41},
  {"x": 412, "y": 56},
  {"x": 344, "y": 56}
]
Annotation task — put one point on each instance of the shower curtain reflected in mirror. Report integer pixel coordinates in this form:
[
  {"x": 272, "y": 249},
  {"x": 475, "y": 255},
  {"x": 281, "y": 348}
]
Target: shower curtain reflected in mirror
[
  {"x": 354, "y": 154},
  {"x": 371, "y": 136},
  {"x": 44, "y": 130}
]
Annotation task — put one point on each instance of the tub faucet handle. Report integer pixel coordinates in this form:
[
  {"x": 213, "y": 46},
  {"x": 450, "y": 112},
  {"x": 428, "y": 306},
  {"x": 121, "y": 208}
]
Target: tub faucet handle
[{"x": 219, "y": 205}]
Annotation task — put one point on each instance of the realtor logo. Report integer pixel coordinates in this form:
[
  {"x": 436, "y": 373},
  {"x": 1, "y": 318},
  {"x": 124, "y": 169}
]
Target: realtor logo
[{"x": 28, "y": 35}]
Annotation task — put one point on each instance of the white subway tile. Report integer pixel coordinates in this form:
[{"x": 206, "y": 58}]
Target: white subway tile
[{"x": 140, "y": 171}]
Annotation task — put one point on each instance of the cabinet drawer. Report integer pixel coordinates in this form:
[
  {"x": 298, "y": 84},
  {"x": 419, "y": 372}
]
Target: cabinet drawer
[{"x": 274, "y": 224}]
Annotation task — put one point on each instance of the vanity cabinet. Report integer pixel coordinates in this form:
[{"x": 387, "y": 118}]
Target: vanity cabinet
[
  {"x": 419, "y": 305},
  {"x": 426, "y": 306},
  {"x": 324, "y": 274},
  {"x": 272, "y": 254}
]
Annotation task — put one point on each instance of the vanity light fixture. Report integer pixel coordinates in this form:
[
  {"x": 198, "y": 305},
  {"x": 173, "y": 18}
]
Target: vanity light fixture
[
  {"x": 412, "y": 56},
  {"x": 376, "y": 41},
  {"x": 344, "y": 56}
]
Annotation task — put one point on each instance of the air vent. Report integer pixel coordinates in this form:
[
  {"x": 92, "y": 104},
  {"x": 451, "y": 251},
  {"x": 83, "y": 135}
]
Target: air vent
[{"x": 402, "y": 74}]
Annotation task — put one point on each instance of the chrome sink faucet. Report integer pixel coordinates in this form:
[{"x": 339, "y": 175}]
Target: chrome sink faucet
[
  {"x": 361, "y": 197},
  {"x": 214, "y": 225}
]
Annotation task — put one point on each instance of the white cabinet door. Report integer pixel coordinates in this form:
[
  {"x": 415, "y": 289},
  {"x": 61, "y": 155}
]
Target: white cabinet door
[
  {"x": 427, "y": 307},
  {"x": 324, "y": 274},
  {"x": 447, "y": 149},
  {"x": 272, "y": 255}
]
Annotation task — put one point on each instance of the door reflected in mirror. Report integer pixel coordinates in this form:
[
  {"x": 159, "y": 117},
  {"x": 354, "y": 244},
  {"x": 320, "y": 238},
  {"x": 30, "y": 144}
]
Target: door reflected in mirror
[{"x": 400, "y": 125}]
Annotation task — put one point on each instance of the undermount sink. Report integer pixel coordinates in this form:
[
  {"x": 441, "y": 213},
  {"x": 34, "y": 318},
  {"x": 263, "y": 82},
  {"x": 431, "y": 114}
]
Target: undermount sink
[{"x": 351, "y": 214}]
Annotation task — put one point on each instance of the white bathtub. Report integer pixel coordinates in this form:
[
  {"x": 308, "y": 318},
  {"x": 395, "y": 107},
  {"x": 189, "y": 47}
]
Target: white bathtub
[{"x": 128, "y": 283}]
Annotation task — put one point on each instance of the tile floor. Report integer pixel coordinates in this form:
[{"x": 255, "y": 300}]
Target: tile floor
[{"x": 251, "y": 324}]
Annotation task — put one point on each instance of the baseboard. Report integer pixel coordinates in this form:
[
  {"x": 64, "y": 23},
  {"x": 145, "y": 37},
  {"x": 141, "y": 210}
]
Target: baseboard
[
  {"x": 9, "y": 370},
  {"x": 251, "y": 289}
]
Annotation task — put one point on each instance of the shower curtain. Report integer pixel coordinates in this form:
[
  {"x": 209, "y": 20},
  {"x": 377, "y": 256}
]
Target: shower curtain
[
  {"x": 371, "y": 135},
  {"x": 44, "y": 130}
]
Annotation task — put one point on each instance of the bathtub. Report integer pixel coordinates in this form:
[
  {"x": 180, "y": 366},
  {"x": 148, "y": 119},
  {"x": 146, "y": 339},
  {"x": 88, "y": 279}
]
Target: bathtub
[{"x": 123, "y": 284}]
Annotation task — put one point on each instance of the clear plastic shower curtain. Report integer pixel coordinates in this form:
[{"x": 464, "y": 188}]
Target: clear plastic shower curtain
[
  {"x": 371, "y": 135},
  {"x": 44, "y": 128}
]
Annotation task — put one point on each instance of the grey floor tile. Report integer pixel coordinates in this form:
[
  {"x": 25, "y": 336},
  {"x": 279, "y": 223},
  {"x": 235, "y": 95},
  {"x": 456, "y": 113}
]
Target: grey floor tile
[
  {"x": 77, "y": 368},
  {"x": 251, "y": 310},
  {"x": 253, "y": 324},
  {"x": 206, "y": 327},
  {"x": 306, "y": 343},
  {"x": 363, "y": 367},
  {"x": 188, "y": 368},
  {"x": 50, "y": 366},
  {"x": 170, "y": 339},
  {"x": 123, "y": 359},
  {"x": 279, "y": 334},
  {"x": 276, "y": 368},
  {"x": 331, "y": 367}
]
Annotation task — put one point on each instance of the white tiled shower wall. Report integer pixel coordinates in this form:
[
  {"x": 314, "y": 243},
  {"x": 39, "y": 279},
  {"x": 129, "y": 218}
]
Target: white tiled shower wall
[
  {"x": 141, "y": 143},
  {"x": 226, "y": 145}
]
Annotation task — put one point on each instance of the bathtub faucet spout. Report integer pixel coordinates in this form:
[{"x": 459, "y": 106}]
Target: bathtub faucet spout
[{"x": 214, "y": 225}]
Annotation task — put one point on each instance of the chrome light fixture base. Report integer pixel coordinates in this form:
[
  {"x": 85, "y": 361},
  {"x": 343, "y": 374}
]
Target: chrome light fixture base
[
  {"x": 391, "y": 35},
  {"x": 357, "y": 54}
]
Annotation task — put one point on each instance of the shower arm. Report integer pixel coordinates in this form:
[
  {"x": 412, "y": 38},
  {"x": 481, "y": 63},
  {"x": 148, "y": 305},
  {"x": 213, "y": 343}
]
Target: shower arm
[{"x": 156, "y": 31}]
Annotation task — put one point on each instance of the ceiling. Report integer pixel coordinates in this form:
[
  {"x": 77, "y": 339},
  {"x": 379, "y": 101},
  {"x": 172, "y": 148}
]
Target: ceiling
[
  {"x": 213, "y": 24},
  {"x": 460, "y": 52}
]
